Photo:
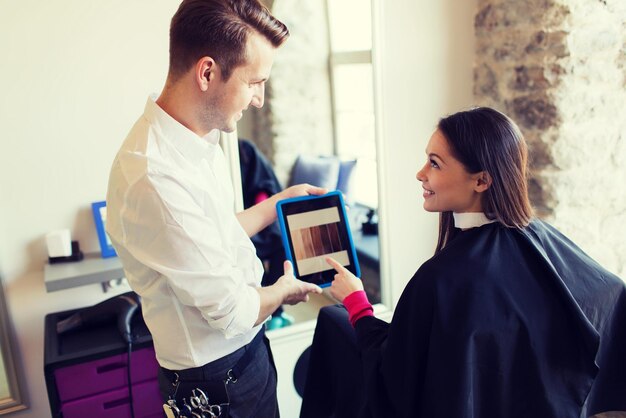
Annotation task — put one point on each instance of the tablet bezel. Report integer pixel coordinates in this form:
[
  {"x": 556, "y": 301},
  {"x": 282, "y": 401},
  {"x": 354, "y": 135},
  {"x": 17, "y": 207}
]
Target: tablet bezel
[{"x": 304, "y": 204}]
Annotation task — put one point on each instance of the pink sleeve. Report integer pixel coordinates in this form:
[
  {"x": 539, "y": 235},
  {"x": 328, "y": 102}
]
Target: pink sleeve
[
  {"x": 261, "y": 196},
  {"x": 358, "y": 306}
]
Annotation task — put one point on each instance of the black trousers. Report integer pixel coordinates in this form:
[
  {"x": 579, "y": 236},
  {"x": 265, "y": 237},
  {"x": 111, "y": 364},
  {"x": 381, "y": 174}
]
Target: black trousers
[{"x": 254, "y": 392}]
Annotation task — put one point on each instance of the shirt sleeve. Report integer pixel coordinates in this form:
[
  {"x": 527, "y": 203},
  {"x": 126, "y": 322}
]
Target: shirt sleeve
[
  {"x": 358, "y": 306},
  {"x": 168, "y": 230}
]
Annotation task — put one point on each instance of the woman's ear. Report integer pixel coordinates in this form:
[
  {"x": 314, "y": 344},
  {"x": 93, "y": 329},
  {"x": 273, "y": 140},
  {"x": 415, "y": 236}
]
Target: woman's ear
[{"x": 483, "y": 181}]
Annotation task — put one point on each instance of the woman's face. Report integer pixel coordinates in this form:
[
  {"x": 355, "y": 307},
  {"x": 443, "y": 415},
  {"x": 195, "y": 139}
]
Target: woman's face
[{"x": 447, "y": 184}]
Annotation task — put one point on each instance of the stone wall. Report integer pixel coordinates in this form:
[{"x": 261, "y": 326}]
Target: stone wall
[{"x": 558, "y": 68}]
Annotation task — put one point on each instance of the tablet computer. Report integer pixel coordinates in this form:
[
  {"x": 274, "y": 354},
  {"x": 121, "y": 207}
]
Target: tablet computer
[{"x": 313, "y": 228}]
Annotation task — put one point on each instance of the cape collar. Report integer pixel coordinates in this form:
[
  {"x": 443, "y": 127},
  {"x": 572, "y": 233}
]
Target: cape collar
[{"x": 469, "y": 220}]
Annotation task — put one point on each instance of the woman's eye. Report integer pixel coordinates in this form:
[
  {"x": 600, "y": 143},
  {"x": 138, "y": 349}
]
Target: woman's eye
[{"x": 434, "y": 164}]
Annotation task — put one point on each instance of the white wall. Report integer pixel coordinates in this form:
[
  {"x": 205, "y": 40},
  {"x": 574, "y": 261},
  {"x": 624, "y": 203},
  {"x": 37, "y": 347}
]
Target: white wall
[
  {"x": 75, "y": 76},
  {"x": 427, "y": 55}
]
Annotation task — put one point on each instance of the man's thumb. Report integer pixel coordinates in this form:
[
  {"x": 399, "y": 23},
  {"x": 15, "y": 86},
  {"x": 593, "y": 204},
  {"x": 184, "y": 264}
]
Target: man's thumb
[{"x": 288, "y": 267}]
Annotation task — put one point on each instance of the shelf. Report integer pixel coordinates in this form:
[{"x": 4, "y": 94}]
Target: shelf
[{"x": 92, "y": 269}]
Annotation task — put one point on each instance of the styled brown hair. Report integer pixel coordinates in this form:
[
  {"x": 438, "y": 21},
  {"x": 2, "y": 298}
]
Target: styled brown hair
[
  {"x": 483, "y": 139},
  {"x": 219, "y": 29}
]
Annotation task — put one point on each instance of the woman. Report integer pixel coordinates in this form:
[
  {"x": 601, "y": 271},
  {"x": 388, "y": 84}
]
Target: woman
[{"x": 509, "y": 318}]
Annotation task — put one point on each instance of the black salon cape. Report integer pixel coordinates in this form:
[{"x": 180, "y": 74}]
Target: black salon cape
[{"x": 501, "y": 323}]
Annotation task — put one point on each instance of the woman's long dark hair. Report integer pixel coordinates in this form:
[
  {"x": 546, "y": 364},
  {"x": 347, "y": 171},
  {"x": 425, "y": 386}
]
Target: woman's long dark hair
[{"x": 483, "y": 139}]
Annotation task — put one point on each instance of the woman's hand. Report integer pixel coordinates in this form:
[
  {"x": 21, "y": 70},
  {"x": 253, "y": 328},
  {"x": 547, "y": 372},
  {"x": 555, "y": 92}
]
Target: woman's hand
[{"x": 345, "y": 282}]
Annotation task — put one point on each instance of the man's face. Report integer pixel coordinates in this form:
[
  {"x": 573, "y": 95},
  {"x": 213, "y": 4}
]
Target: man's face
[{"x": 226, "y": 101}]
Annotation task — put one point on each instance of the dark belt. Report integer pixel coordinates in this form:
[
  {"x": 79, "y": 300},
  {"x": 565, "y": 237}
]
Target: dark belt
[{"x": 197, "y": 373}]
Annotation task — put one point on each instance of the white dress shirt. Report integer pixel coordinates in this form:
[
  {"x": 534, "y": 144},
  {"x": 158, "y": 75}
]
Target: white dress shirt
[{"x": 170, "y": 218}]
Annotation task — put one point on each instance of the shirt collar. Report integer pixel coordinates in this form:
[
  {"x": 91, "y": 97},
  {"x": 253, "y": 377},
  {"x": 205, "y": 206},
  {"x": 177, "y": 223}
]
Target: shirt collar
[
  {"x": 469, "y": 220},
  {"x": 192, "y": 146}
]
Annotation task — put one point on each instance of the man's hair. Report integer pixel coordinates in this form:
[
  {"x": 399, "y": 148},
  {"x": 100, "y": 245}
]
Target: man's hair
[
  {"x": 483, "y": 139},
  {"x": 219, "y": 29}
]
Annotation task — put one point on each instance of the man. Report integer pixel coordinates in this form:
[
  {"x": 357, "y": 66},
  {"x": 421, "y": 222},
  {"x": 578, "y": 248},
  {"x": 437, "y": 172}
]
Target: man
[{"x": 170, "y": 211}]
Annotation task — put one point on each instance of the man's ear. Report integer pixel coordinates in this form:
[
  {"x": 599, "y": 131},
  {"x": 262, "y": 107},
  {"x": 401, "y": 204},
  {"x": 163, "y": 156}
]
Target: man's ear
[
  {"x": 483, "y": 181},
  {"x": 206, "y": 69}
]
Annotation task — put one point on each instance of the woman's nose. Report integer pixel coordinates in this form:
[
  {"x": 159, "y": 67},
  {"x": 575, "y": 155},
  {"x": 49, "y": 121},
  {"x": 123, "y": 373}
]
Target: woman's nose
[{"x": 420, "y": 174}]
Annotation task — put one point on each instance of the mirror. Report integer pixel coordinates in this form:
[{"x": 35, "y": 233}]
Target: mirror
[
  {"x": 318, "y": 122},
  {"x": 11, "y": 399}
]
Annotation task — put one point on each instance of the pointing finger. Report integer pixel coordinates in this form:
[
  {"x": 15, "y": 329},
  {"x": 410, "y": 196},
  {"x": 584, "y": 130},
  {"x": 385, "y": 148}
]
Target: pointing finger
[
  {"x": 334, "y": 264},
  {"x": 316, "y": 289},
  {"x": 310, "y": 287}
]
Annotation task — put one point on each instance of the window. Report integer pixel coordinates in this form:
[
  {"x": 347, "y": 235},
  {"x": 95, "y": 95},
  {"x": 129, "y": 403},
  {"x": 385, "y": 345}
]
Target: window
[{"x": 352, "y": 94}]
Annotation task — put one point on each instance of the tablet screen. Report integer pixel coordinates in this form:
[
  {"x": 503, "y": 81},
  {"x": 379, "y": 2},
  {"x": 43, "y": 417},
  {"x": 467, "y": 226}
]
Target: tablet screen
[{"x": 316, "y": 227}]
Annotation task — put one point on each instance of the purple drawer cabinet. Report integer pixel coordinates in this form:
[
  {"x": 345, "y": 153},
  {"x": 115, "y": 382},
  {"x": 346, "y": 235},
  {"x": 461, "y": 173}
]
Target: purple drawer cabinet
[
  {"x": 86, "y": 370},
  {"x": 147, "y": 403},
  {"x": 105, "y": 374}
]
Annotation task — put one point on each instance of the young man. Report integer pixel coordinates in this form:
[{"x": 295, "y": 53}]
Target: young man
[{"x": 170, "y": 210}]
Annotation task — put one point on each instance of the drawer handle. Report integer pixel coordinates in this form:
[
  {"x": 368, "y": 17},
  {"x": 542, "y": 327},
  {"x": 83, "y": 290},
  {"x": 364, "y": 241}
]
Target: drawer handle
[
  {"x": 115, "y": 403},
  {"x": 110, "y": 367}
]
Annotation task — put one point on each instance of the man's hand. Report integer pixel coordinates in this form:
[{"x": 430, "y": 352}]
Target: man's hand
[
  {"x": 259, "y": 216},
  {"x": 287, "y": 290},
  {"x": 301, "y": 190},
  {"x": 294, "y": 290}
]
